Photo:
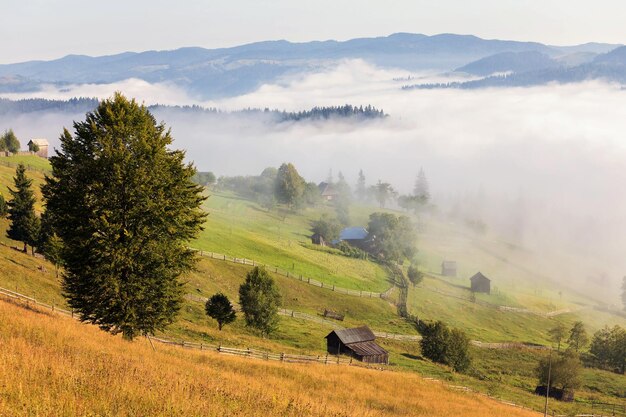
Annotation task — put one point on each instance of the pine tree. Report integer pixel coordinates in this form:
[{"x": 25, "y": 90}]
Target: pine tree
[
  {"x": 422, "y": 189},
  {"x": 24, "y": 222},
  {"x": 361, "y": 188},
  {"x": 4, "y": 209},
  {"x": 124, "y": 205},
  {"x": 260, "y": 299}
]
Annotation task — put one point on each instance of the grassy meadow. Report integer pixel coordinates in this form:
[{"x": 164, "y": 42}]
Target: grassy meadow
[{"x": 241, "y": 228}]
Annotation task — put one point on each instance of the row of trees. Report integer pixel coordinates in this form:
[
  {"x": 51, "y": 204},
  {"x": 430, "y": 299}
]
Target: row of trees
[{"x": 259, "y": 299}]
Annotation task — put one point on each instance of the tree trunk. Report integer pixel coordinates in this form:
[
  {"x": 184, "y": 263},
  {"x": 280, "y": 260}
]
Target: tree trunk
[{"x": 25, "y": 248}]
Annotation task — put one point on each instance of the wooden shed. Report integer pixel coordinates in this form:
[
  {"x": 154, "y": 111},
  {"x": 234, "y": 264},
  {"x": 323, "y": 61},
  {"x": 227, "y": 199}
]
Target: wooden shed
[
  {"x": 41, "y": 145},
  {"x": 448, "y": 268},
  {"x": 318, "y": 239},
  {"x": 359, "y": 343},
  {"x": 481, "y": 283},
  {"x": 327, "y": 191}
]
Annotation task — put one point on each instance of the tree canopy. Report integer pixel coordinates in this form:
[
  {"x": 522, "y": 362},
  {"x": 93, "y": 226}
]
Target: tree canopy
[
  {"x": 392, "y": 237},
  {"x": 124, "y": 205},
  {"x": 450, "y": 347},
  {"x": 259, "y": 298},
  {"x": 608, "y": 347},
  {"x": 9, "y": 142},
  {"x": 290, "y": 185},
  {"x": 219, "y": 308},
  {"x": 564, "y": 369}
]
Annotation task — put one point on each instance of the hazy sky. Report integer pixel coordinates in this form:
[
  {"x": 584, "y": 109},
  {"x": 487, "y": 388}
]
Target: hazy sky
[{"x": 42, "y": 29}]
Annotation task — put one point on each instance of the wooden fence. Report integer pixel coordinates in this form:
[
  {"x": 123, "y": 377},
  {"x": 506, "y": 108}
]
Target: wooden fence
[
  {"x": 299, "y": 277},
  {"x": 27, "y": 166}
]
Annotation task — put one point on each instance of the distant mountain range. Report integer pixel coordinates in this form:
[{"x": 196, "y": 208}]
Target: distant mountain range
[{"x": 213, "y": 73}]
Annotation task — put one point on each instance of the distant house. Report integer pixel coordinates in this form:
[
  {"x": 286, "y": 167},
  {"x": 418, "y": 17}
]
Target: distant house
[
  {"x": 355, "y": 236},
  {"x": 327, "y": 191},
  {"x": 42, "y": 144},
  {"x": 481, "y": 283},
  {"x": 358, "y": 343},
  {"x": 318, "y": 239},
  {"x": 448, "y": 268}
]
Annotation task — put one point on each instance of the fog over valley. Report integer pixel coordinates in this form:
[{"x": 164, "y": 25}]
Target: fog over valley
[{"x": 541, "y": 166}]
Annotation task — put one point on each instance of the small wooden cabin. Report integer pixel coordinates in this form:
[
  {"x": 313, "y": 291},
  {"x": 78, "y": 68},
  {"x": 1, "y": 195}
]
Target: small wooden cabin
[
  {"x": 481, "y": 283},
  {"x": 327, "y": 191},
  {"x": 318, "y": 239},
  {"x": 448, "y": 268},
  {"x": 556, "y": 393},
  {"x": 357, "y": 342}
]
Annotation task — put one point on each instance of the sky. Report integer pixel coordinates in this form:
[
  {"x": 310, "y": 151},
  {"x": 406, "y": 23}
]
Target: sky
[{"x": 41, "y": 29}]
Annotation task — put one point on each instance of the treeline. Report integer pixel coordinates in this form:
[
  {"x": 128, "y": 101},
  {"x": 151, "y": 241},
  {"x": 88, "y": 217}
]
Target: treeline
[
  {"x": 84, "y": 104},
  {"x": 30, "y": 105}
]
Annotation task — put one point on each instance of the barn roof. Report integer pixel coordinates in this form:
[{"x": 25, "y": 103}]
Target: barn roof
[
  {"x": 327, "y": 189},
  {"x": 366, "y": 348},
  {"x": 479, "y": 277},
  {"x": 353, "y": 233},
  {"x": 40, "y": 142},
  {"x": 355, "y": 335}
]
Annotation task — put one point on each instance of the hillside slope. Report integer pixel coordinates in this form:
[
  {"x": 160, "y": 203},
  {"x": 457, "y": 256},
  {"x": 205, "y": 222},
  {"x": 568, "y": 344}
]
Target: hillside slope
[{"x": 53, "y": 366}]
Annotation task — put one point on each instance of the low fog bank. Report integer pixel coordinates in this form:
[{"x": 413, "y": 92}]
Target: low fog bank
[{"x": 542, "y": 167}]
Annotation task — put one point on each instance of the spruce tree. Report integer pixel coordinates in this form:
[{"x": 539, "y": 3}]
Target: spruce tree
[
  {"x": 24, "y": 222},
  {"x": 422, "y": 190},
  {"x": 124, "y": 205},
  {"x": 4, "y": 209},
  {"x": 361, "y": 188}
]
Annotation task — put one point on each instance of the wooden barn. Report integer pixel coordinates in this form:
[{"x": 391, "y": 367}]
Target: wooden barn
[
  {"x": 358, "y": 343},
  {"x": 448, "y": 268},
  {"x": 41, "y": 145},
  {"x": 481, "y": 283},
  {"x": 327, "y": 191}
]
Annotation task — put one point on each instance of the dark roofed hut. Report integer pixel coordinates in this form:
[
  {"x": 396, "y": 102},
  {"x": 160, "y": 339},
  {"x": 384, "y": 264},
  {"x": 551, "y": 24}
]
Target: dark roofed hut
[
  {"x": 318, "y": 239},
  {"x": 481, "y": 283},
  {"x": 358, "y": 343}
]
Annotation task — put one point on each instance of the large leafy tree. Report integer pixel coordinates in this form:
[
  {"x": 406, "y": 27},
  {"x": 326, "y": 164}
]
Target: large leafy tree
[
  {"x": 608, "y": 346},
  {"x": 557, "y": 334},
  {"x": 563, "y": 369},
  {"x": 578, "y": 337},
  {"x": 391, "y": 237},
  {"x": 259, "y": 299},
  {"x": 24, "y": 222},
  {"x": 443, "y": 345},
  {"x": 124, "y": 205},
  {"x": 9, "y": 142},
  {"x": 289, "y": 185},
  {"x": 383, "y": 192}
]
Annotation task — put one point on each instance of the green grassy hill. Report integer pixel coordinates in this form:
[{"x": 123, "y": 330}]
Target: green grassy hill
[{"x": 240, "y": 228}]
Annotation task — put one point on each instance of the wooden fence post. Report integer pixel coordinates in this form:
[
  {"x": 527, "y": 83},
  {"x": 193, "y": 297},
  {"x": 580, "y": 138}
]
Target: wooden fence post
[{"x": 282, "y": 357}]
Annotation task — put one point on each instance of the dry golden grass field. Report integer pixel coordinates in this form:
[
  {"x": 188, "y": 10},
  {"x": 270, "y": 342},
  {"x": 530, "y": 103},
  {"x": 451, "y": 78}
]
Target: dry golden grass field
[{"x": 55, "y": 366}]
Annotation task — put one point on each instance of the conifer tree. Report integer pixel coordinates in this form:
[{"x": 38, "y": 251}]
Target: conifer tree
[
  {"x": 361, "y": 188},
  {"x": 124, "y": 205},
  {"x": 24, "y": 222},
  {"x": 422, "y": 190}
]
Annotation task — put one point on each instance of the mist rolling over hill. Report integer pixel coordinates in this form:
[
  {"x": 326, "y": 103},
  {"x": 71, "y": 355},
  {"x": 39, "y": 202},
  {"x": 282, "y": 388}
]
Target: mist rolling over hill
[{"x": 525, "y": 161}]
